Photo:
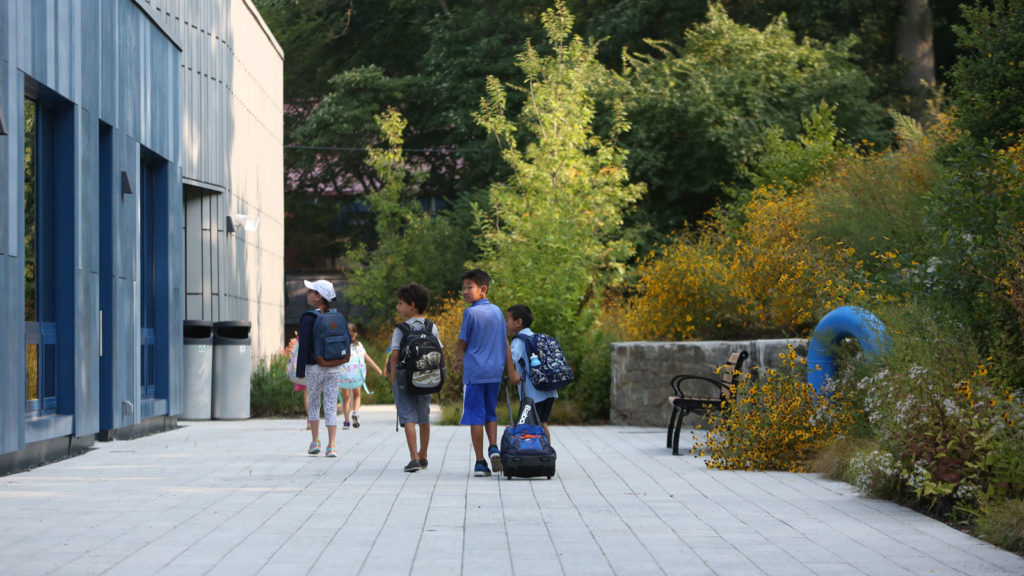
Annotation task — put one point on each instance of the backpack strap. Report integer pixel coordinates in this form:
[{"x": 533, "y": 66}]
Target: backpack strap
[
  {"x": 530, "y": 342},
  {"x": 531, "y": 348},
  {"x": 428, "y": 327},
  {"x": 405, "y": 329}
]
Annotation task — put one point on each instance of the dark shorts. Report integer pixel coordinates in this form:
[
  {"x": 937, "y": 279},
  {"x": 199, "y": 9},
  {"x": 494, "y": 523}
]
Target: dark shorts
[{"x": 544, "y": 409}]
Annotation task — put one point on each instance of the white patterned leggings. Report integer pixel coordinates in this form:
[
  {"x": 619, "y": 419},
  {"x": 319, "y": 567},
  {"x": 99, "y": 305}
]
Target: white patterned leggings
[{"x": 320, "y": 380}]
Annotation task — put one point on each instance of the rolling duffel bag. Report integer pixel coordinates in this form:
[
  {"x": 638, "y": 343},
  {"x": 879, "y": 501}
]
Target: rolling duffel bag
[{"x": 526, "y": 451}]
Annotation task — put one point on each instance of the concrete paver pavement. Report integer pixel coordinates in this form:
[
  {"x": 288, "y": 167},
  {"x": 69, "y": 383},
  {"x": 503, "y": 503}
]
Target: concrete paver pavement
[{"x": 242, "y": 497}]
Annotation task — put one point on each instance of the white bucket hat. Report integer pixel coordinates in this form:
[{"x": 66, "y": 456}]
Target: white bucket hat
[{"x": 322, "y": 287}]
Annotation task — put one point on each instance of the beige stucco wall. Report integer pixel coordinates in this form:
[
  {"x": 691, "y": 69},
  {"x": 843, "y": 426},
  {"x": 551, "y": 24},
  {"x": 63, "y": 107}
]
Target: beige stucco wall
[{"x": 232, "y": 163}]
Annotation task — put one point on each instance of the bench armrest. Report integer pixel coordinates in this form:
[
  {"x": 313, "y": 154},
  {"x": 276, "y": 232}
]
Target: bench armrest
[{"x": 679, "y": 379}]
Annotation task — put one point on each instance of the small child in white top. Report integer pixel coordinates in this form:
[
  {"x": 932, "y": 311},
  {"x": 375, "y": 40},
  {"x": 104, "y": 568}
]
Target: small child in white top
[{"x": 354, "y": 378}]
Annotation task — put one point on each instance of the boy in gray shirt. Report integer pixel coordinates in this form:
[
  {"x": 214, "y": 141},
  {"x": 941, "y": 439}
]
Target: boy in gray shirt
[{"x": 413, "y": 409}]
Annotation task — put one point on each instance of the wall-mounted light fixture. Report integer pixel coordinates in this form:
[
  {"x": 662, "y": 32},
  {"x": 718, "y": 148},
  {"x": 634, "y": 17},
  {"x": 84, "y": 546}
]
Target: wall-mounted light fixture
[
  {"x": 126, "y": 184},
  {"x": 3, "y": 123},
  {"x": 243, "y": 221},
  {"x": 249, "y": 223}
]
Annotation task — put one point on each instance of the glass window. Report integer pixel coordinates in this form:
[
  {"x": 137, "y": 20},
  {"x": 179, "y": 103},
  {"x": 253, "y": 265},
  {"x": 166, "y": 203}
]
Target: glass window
[{"x": 40, "y": 258}]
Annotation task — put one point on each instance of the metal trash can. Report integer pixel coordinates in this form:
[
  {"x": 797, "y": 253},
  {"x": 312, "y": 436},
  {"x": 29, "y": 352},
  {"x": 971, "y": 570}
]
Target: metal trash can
[
  {"x": 231, "y": 377},
  {"x": 197, "y": 357}
]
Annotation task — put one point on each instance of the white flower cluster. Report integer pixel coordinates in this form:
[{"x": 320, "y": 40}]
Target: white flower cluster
[
  {"x": 917, "y": 477},
  {"x": 966, "y": 491},
  {"x": 873, "y": 401},
  {"x": 909, "y": 412},
  {"x": 917, "y": 372},
  {"x": 871, "y": 470}
]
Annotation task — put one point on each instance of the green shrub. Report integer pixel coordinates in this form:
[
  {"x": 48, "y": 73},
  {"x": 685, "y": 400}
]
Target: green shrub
[
  {"x": 272, "y": 393},
  {"x": 873, "y": 204},
  {"x": 988, "y": 76},
  {"x": 588, "y": 398},
  {"x": 977, "y": 223},
  {"x": 947, "y": 434},
  {"x": 874, "y": 473},
  {"x": 1002, "y": 523},
  {"x": 776, "y": 422}
]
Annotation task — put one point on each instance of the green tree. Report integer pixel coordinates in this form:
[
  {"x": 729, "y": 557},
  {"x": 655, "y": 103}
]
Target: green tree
[
  {"x": 552, "y": 237},
  {"x": 705, "y": 108},
  {"x": 413, "y": 245},
  {"x": 989, "y": 74}
]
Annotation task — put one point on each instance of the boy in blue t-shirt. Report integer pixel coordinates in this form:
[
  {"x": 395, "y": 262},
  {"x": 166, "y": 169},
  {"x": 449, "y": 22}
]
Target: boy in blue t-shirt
[
  {"x": 518, "y": 319},
  {"x": 482, "y": 354}
]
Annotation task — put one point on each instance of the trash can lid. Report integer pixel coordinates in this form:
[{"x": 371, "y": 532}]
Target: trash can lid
[
  {"x": 198, "y": 323},
  {"x": 197, "y": 332},
  {"x": 232, "y": 324},
  {"x": 235, "y": 331}
]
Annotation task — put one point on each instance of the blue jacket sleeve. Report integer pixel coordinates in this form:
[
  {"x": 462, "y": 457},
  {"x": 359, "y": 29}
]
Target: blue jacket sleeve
[{"x": 305, "y": 354}]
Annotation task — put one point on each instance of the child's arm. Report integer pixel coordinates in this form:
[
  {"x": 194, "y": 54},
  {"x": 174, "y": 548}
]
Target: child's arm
[
  {"x": 392, "y": 363},
  {"x": 510, "y": 367},
  {"x": 371, "y": 362},
  {"x": 460, "y": 353}
]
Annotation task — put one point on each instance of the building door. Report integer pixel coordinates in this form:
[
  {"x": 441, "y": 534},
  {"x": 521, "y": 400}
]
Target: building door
[
  {"x": 147, "y": 275},
  {"x": 107, "y": 346}
]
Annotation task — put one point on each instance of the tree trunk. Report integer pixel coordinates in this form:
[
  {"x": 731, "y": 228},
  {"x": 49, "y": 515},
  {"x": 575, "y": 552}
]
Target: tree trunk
[{"x": 915, "y": 50}]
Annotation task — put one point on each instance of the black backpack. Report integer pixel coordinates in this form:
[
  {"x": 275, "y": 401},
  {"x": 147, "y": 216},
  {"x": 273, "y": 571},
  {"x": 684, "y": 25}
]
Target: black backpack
[{"x": 421, "y": 358}]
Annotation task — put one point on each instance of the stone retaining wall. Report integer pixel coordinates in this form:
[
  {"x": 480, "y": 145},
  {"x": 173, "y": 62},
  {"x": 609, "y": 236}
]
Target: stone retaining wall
[{"x": 641, "y": 372}]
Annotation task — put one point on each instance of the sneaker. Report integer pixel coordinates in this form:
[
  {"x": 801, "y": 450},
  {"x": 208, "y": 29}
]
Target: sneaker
[
  {"x": 355, "y": 420},
  {"x": 314, "y": 447},
  {"x": 495, "y": 456},
  {"x": 412, "y": 466},
  {"x": 331, "y": 452},
  {"x": 481, "y": 469},
  {"x": 423, "y": 464},
  {"x": 345, "y": 426}
]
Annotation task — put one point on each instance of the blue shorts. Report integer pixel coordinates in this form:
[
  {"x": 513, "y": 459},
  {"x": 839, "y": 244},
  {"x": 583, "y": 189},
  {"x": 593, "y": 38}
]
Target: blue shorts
[{"x": 479, "y": 402}]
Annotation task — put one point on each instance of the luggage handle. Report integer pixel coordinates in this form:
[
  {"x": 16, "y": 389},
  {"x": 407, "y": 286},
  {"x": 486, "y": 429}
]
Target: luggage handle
[
  {"x": 508, "y": 404},
  {"x": 508, "y": 399}
]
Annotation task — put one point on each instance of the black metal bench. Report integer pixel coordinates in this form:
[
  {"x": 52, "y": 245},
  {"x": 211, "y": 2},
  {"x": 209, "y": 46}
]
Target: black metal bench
[{"x": 683, "y": 404}]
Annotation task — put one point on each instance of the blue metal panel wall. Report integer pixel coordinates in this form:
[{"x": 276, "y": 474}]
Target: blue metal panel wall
[
  {"x": 12, "y": 398},
  {"x": 126, "y": 338},
  {"x": 107, "y": 68},
  {"x": 12, "y": 345},
  {"x": 115, "y": 66},
  {"x": 85, "y": 376}
]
